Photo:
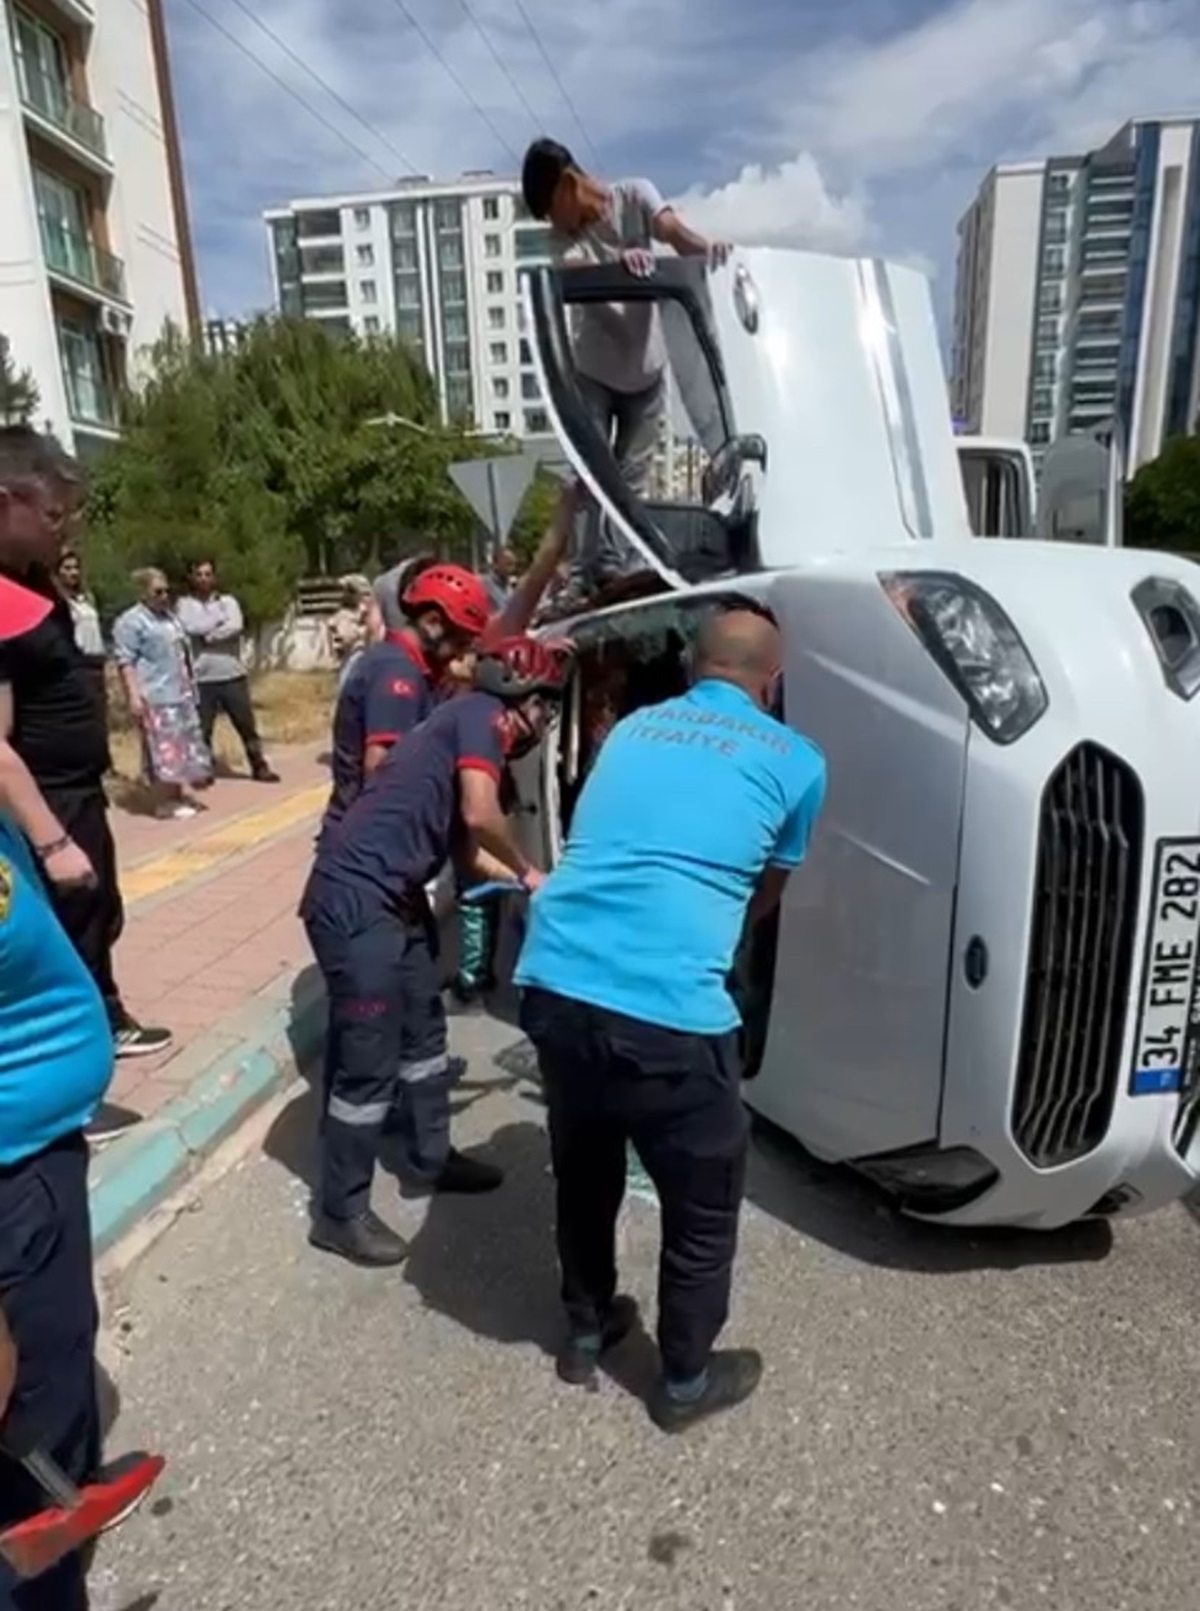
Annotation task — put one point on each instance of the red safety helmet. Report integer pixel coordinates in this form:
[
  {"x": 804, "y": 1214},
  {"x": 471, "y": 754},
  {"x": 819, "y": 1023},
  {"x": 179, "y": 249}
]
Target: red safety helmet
[
  {"x": 514, "y": 668},
  {"x": 457, "y": 593}
]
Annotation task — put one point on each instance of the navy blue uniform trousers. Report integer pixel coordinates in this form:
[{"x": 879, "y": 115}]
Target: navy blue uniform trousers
[
  {"x": 611, "y": 1081},
  {"x": 385, "y": 1051},
  {"x": 49, "y": 1303}
]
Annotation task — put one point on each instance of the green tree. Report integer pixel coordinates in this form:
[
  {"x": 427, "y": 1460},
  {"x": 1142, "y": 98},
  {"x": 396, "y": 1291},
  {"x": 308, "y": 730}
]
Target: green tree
[
  {"x": 1162, "y": 502},
  {"x": 19, "y": 395},
  {"x": 277, "y": 461},
  {"x": 535, "y": 514}
]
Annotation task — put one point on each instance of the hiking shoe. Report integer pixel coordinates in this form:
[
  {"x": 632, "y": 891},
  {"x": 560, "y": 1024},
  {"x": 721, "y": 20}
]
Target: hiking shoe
[
  {"x": 465, "y": 1176},
  {"x": 363, "y": 1240},
  {"x": 135, "y": 1040},
  {"x": 731, "y": 1378},
  {"x": 579, "y": 1355}
]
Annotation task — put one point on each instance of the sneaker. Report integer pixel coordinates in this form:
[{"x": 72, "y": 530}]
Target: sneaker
[
  {"x": 467, "y": 1177},
  {"x": 265, "y": 774},
  {"x": 363, "y": 1240},
  {"x": 579, "y": 1356},
  {"x": 135, "y": 1040},
  {"x": 732, "y": 1376},
  {"x": 177, "y": 811}
]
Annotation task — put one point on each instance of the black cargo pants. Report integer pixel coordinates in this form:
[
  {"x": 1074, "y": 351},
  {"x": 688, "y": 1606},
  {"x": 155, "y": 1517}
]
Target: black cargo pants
[
  {"x": 612, "y": 1080},
  {"x": 385, "y": 1048}
]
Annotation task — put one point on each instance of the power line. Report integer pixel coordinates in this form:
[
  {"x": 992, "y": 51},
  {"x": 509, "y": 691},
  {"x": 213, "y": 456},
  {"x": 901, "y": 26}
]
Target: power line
[
  {"x": 554, "y": 74},
  {"x": 404, "y": 161},
  {"x": 290, "y": 89},
  {"x": 453, "y": 76},
  {"x": 535, "y": 117}
]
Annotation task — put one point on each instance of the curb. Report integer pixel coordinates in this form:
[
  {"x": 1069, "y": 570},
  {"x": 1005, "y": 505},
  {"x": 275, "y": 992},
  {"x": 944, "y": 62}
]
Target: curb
[{"x": 132, "y": 1175}]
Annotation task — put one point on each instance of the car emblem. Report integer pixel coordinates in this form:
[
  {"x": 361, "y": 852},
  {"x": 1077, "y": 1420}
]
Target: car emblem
[{"x": 745, "y": 299}]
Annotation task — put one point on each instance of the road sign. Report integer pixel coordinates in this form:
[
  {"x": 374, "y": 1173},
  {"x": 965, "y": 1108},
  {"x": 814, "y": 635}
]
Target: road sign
[{"x": 494, "y": 487}]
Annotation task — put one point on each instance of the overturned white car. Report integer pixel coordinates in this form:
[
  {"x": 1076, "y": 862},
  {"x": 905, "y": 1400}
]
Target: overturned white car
[{"x": 980, "y": 990}]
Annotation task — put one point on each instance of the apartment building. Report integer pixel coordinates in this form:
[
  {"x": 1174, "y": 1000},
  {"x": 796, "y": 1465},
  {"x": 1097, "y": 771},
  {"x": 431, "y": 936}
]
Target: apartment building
[
  {"x": 1077, "y": 300},
  {"x": 437, "y": 263},
  {"x": 95, "y": 252}
]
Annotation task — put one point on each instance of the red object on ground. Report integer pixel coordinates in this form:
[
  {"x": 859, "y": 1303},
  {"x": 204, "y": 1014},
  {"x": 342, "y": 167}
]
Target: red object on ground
[{"x": 34, "y": 1546}]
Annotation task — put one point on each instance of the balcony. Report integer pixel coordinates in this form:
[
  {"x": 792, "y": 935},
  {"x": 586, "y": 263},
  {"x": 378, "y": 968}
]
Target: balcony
[
  {"x": 61, "y": 117},
  {"x": 75, "y": 260},
  {"x": 92, "y": 400}
]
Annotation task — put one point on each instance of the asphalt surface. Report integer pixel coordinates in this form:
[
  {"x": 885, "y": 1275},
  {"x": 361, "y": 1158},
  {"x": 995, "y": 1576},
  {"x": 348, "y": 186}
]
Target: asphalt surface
[{"x": 946, "y": 1424}]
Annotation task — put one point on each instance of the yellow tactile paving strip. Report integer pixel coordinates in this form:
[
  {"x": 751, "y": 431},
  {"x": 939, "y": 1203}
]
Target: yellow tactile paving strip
[{"x": 231, "y": 839}]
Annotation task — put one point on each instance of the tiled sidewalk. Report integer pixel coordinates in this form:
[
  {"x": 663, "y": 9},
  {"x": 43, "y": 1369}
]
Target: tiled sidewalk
[{"x": 211, "y": 931}]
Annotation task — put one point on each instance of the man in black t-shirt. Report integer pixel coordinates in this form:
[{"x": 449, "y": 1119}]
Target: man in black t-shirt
[{"x": 53, "y": 736}]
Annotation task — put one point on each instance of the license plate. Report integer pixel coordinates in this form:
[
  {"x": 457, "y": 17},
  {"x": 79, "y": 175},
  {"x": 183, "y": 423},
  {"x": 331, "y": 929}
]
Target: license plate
[{"x": 1166, "y": 1043}]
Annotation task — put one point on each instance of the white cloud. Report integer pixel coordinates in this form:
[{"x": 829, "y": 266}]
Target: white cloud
[
  {"x": 798, "y": 124},
  {"x": 789, "y": 205}
]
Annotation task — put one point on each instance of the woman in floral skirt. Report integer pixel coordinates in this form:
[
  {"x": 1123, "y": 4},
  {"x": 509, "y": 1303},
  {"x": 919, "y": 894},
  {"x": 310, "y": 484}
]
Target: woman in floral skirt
[{"x": 151, "y": 650}]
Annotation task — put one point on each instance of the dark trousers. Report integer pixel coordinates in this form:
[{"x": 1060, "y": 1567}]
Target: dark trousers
[
  {"x": 50, "y": 1306},
  {"x": 94, "y": 918},
  {"x": 385, "y": 1050},
  {"x": 610, "y": 1081},
  {"x": 231, "y": 698}
]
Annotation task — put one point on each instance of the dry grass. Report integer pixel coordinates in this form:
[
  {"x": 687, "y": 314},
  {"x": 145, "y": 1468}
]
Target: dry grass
[{"x": 293, "y": 707}]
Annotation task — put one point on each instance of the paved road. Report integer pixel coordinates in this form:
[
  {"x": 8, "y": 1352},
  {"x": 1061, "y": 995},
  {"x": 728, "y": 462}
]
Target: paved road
[{"x": 945, "y": 1423}]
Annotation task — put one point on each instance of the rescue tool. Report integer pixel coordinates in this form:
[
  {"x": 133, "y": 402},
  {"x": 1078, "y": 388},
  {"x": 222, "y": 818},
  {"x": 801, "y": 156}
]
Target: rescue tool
[{"x": 77, "y": 1515}]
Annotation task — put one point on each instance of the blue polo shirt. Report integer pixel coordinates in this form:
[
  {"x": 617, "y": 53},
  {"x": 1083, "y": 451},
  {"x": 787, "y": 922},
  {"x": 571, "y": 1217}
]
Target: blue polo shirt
[
  {"x": 389, "y": 692},
  {"x": 397, "y": 834},
  {"x": 686, "y": 805},
  {"x": 56, "y": 1044}
]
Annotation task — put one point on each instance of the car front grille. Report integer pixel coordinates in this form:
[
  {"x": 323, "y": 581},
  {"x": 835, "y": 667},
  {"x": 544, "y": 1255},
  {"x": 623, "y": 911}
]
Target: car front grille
[{"x": 1081, "y": 952}]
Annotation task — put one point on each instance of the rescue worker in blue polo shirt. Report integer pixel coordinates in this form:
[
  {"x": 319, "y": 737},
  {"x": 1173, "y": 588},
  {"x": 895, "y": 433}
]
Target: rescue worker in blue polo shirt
[
  {"x": 56, "y": 1060},
  {"x": 695, "y": 812},
  {"x": 393, "y": 687},
  {"x": 375, "y": 939}
]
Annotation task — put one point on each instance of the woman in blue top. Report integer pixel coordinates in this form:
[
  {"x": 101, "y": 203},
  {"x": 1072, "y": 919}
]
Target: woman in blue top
[{"x": 151, "y": 649}]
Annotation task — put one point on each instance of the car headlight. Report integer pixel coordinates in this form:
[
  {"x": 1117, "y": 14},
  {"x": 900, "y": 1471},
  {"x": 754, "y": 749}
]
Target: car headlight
[{"x": 977, "y": 647}]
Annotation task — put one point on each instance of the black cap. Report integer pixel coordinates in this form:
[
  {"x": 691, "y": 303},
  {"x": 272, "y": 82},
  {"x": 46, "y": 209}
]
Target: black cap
[{"x": 545, "y": 163}]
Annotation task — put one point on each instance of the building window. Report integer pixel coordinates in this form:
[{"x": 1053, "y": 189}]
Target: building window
[
  {"x": 491, "y": 246},
  {"x": 499, "y": 387},
  {"x": 1047, "y": 332},
  {"x": 90, "y": 399},
  {"x": 458, "y": 356},
  {"x": 537, "y": 421},
  {"x": 325, "y": 294},
  {"x": 371, "y": 324},
  {"x": 310, "y": 225},
  {"x": 362, "y": 218},
  {"x": 458, "y": 396},
  {"x": 1054, "y": 260},
  {"x": 404, "y": 219},
  {"x": 529, "y": 387},
  {"x": 408, "y": 291},
  {"x": 502, "y": 421},
  {"x": 496, "y": 319},
  {"x": 448, "y": 215},
  {"x": 454, "y": 289},
  {"x": 454, "y": 324},
  {"x": 1045, "y": 366},
  {"x": 322, "y": 260},
  {"x": 526, "y": 353},
  {"x": 495, "y": 282},
  {"x": 533, "y": 243},
  {"x": 404, "y": 255},
  {"x": 366, "y": 257},
  {"x": 1050, "y": 299},
  {"x": 367, "y": 291},
  {"x": 491, "y": 208},
  {"x": 450, "y": 251},
  {"x": 1043, "y": 402},
  {"x": 1039, "y": 433},
  {"x": 498, "y": 352}
]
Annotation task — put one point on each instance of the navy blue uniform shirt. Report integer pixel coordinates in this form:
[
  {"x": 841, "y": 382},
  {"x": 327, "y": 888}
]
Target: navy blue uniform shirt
[
  {"x": 397, "y": 835},
  {"x": 388, "y": 693}
]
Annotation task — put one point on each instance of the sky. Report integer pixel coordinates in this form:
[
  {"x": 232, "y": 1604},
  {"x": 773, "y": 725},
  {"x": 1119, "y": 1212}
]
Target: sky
[{"x": 867, "y": 125}]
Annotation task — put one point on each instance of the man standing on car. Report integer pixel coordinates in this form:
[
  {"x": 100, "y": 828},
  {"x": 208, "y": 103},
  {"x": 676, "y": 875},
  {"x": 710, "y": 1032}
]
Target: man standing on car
[
  {"x": 625, "y": 967},
  {"x": 214, "y": 625},
  {"x": 54, "y": 734},
  {"x": 619, "y": 351}
]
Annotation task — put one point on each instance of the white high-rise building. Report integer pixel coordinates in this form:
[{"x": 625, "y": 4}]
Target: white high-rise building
[
  {"x": 95, "y": 251},
  {"x": 437, "y": 263},
  {"x": 1078, "y": 293}
]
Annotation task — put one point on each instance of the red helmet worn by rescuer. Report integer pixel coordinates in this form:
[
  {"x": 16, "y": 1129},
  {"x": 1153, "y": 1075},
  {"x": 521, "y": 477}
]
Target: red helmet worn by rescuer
[
  {"x": 514, "y": 668},
  {"x": 457, "y": 593}
]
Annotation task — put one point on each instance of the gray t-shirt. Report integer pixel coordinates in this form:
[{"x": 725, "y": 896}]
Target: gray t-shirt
[
  {"x": 386, "y": 588},
  {"x": 214, "y": 627},
  {"x": 618, "y": 344}
]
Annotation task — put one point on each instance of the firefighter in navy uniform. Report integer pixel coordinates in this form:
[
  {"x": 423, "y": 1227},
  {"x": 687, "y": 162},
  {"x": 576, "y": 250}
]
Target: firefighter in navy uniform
[
  {"x": 375, "y": 940},
  {"x": 395, "y": 684}
]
